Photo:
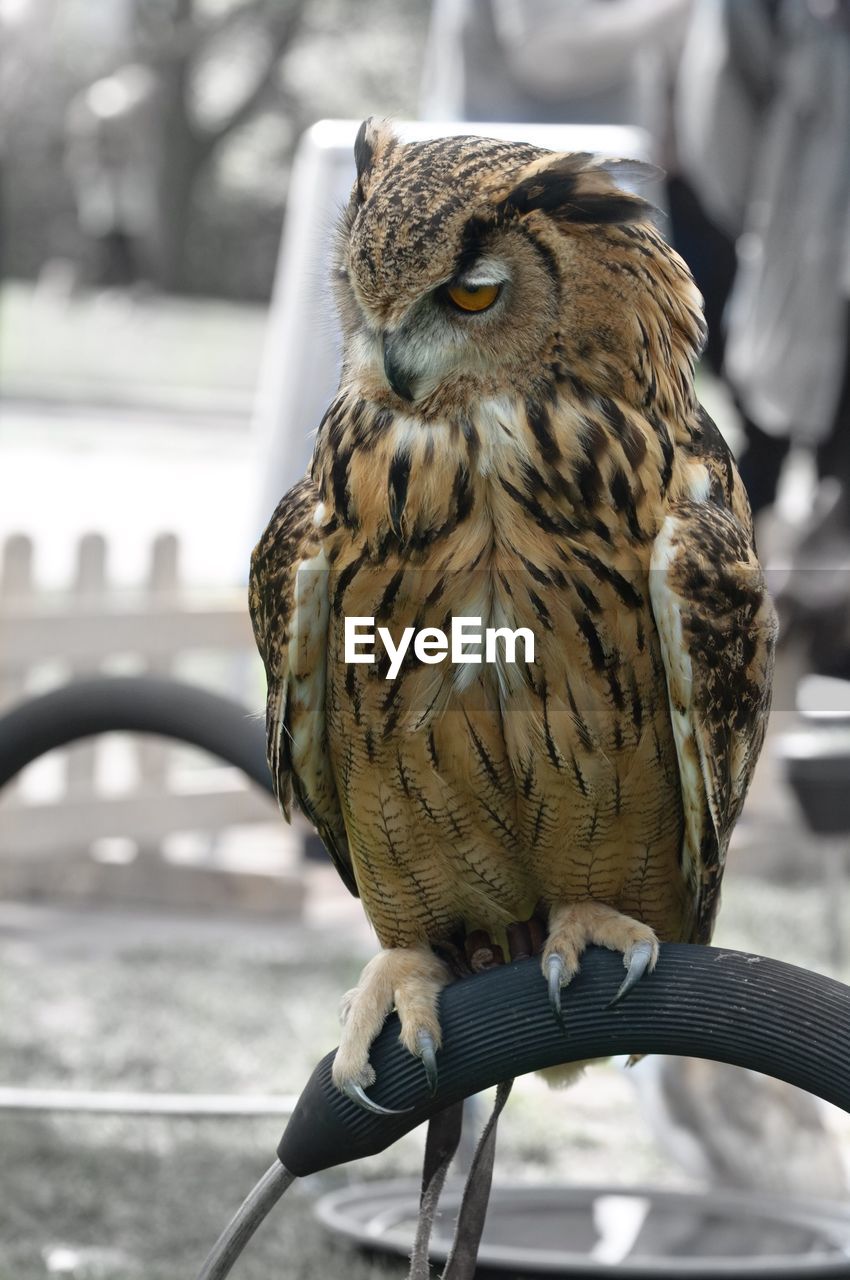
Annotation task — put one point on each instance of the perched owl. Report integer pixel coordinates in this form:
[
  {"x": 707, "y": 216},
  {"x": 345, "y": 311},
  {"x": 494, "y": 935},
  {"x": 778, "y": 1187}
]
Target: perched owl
[{"x": 516, "y": 440}]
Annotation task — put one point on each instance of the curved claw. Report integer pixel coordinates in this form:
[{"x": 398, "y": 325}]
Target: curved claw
[
  {"x": 427, "y": 1051},
  {"x": 358, "y": 1094},
  {"x": 555, "y": 973},
  {"x": 638, "y": 965}
]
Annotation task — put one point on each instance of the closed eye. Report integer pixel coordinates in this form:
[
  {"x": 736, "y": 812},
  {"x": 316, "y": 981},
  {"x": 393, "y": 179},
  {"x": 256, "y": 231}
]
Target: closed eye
[{"x": 471, "y": 297}]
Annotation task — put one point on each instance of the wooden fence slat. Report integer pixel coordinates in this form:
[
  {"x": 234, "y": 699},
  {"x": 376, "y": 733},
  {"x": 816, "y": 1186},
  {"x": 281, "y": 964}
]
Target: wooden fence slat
[
  {"x": 16, "y": 567},
  {"x": 162, "y": 590},
  {"x": 89, "y": 592},
  {"x": 16, "y": 583}
]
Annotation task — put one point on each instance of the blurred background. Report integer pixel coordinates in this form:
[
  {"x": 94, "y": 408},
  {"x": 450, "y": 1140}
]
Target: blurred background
[{"x": 170, "y": 174}]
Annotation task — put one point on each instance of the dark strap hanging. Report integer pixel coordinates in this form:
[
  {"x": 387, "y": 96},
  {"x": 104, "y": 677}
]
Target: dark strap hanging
[
  {"x": 476, "y": 1196},
  {"x": 444, "y": 1132}
]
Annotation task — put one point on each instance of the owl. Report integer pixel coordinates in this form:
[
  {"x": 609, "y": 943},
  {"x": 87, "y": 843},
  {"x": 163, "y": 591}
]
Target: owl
[{"x": 516, "y": 452}]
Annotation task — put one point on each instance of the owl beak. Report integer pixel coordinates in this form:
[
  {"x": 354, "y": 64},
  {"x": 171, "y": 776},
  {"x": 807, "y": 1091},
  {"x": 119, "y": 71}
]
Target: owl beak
[{"x": 398, "y": 378}]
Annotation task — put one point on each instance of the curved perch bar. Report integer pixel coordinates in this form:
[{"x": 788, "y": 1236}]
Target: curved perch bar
[
  {"x": 701, "y": 1001},
  {"x": 133, "y": 704}
]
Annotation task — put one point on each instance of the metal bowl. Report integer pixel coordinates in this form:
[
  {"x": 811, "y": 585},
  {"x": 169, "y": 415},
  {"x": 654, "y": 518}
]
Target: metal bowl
[{"x": 609, "y": 1231}]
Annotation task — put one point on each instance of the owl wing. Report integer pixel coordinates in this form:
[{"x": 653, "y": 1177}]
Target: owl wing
[
  {"x": 717, "y": 629},
  {"x": 288, "y": 600}
]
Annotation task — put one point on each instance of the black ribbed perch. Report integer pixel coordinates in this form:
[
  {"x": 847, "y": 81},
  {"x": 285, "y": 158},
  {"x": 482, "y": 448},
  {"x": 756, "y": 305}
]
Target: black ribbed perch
[
  {"x": 133, "y": 704},
  {"x": 701, "y": 1001}
]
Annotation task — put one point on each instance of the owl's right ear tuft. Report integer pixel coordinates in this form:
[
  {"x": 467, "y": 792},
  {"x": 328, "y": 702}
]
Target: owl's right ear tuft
[
  {"x": 573, "y": 188},
  {"x": 375, "y": 140}
]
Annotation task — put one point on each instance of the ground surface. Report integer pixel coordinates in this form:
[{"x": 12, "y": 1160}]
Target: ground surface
[{"x": 236, "y": 1006}]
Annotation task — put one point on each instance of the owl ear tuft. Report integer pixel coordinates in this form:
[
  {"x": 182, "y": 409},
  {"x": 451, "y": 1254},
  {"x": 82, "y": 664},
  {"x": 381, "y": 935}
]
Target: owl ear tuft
[
  {"x": 375, "y": 140},
  {"x": 571, "y": 188}
]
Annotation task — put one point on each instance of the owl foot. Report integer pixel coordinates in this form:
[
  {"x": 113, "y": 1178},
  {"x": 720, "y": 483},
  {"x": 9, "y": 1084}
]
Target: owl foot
[
  {"x": 409, "y": 978},
  {"x": 574, "y": 927}
]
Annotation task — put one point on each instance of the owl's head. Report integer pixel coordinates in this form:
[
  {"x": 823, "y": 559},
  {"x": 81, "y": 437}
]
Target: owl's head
[{"x": 461, "y": 261}]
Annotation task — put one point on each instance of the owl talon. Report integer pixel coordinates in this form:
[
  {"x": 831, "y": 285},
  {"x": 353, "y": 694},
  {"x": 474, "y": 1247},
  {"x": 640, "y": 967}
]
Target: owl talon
[
  {"x": 555, "y": 969},
  {"x": 427, "y": 1051},
  {"x": 640, "y": 959},
  {"x": 358, "y": 1095},
  {"x": 410, "y": 978}
]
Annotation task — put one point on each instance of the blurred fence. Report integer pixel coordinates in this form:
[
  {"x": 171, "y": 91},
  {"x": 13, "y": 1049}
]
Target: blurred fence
[{"x": 101, "y": 821}]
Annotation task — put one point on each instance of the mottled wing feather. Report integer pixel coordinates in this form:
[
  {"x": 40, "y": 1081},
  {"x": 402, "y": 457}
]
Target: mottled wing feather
[
  {"x": 289, "y": 612},
  {"x": 717, "y": 628}
]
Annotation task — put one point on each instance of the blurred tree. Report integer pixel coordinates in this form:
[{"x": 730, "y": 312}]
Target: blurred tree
[
  {"x": 242, "y": 89},
  {"x": 180, "y": 40}
]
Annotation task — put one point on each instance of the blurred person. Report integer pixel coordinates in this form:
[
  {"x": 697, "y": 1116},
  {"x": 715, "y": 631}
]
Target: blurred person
[
  {"x": 546, "y": 61},
  {"x": 763, "y": 121},
  {"x": 110, "y": 159}
]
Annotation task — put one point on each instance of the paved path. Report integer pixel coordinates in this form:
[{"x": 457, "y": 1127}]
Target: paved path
[
  {"x": 117, "y": 348},
  {"x": 129, "y": 475}
]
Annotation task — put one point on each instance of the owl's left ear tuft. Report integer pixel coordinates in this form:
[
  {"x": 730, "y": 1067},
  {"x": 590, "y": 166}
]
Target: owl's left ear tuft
[
  {"x": 573, "y": 189},
  {"x": 375, "y": 140}
]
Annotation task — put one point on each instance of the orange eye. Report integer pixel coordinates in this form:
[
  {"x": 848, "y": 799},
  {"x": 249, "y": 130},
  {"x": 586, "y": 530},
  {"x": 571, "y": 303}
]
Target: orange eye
[{"x": 473, "y": 297}]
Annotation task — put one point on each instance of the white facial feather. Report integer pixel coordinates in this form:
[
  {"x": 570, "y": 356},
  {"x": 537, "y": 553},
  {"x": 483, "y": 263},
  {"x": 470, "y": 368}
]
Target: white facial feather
[{"x": 486, "y": 271}]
